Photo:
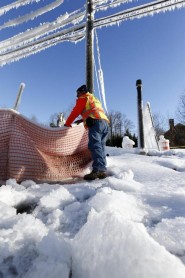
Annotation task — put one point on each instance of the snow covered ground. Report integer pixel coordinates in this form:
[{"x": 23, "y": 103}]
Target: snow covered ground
[{"x": 129, "y": 225}]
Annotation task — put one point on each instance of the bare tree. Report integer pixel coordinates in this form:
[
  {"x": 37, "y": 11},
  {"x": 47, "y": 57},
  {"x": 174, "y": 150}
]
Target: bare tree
[
  {"x": 34, "y": 119},
  {"x": 159, "y": 124},
  {"x": 119, "y": 124},
  {"x": 180, "y": 112},
  {"x": 127, "y": 124},
  {"x": 55, "y": 117}
]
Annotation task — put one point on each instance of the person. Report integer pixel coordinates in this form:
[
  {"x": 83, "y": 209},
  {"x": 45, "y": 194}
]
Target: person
[{"x": 95, "y": 119}]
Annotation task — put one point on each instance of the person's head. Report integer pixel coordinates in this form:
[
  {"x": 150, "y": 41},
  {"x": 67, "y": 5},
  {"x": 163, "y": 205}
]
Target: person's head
[{"x": 81, "y": 90}]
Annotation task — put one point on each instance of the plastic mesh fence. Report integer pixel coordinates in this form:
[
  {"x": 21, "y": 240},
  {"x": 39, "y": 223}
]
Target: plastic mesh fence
[{"x": 31, "y": 151}]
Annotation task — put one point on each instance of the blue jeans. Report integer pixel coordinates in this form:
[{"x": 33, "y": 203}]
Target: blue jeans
[{"x": 97, "y": 140}]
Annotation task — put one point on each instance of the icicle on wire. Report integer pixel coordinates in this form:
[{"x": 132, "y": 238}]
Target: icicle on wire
[
  {"x": 15, "y": 5},
  {"x": 113, "y": 4},
  {"x": 139, "y": 12},
  {"x": 32, "y": 35},
  {"x": 67, "y": 34},
  {"x": 32, "y": 15},
  {"x": 97, "y": 80},
  {"x": 100, "y": 75},
  {"x": 136, "y": 12},
  {"x": 33, "y": 49}
]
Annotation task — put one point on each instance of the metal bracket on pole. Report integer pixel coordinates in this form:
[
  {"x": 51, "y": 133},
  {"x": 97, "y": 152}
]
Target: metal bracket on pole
[
  {"x": 18, "y": 100},
  {"x": 141, "y": 142}
]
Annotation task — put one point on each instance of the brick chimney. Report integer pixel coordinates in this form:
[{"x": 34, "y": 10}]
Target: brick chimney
[{"x": 171, "y": 124}]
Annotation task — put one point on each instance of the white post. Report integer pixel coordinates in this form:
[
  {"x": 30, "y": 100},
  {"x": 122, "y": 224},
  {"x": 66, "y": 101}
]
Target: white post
[{"x": 18, "y": 100}]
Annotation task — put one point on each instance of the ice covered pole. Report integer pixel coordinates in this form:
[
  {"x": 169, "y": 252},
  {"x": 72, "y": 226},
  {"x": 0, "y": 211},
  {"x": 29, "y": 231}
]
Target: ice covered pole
[
  {"x": 18, "y": 100},
  {"x": 90, "y": 47},
  {"x": 140, "y": 114}
]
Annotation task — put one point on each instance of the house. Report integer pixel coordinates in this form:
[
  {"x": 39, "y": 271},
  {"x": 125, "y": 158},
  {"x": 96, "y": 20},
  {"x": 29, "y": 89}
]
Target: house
[{"x": 176, "y": 134}]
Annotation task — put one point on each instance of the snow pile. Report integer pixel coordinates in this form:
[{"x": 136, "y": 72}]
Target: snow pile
[{"x": 131, "y": 224}]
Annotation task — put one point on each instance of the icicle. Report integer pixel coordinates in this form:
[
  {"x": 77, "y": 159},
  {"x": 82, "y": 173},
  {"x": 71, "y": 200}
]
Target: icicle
[
  {"x": 40, "y": 38},
  {"x": 139, "y": 12},
  {"x": 113, "y": 4},
  {"x": 98, "y": 84},
  {"x": 15, "y": 5},
  {"x": 32, "y": 15},
  {"x": 32, "y": 35},
  {"x": 42, "y": 45},
  {"x": 150, "y": 137},
  {"x": 100, "y": 72}
]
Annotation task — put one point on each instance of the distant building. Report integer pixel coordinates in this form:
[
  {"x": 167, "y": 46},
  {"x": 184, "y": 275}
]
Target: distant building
[{"x": 176, "y": 134}]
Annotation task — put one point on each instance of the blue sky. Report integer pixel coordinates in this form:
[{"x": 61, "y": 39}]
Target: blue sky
[{"x": 150, "y": 48}]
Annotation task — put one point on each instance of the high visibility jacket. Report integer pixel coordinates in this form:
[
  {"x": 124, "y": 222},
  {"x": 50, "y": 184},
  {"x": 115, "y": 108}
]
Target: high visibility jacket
[{"x": 87, "y": 105}]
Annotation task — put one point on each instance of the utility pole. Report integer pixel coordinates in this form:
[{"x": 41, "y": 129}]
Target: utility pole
[
  {"x": 90, "y": 47},
  {"x": 141, "y": 142}
]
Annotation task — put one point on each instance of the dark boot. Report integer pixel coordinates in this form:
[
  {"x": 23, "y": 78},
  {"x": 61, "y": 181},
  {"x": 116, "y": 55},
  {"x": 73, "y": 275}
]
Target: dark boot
[
  {"x": 95, "y": 175},
  {"x": 102, "y": 175}
]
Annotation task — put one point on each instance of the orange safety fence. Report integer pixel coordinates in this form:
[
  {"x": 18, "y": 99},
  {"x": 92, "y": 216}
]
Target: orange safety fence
[{"x": 31, "y": 151}]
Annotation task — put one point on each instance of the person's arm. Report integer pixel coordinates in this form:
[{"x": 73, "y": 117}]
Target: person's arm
[{"x": 77, "y": 110}]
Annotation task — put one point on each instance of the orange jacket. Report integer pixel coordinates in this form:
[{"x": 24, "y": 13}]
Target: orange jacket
[{"x": 81, "y": 109}]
